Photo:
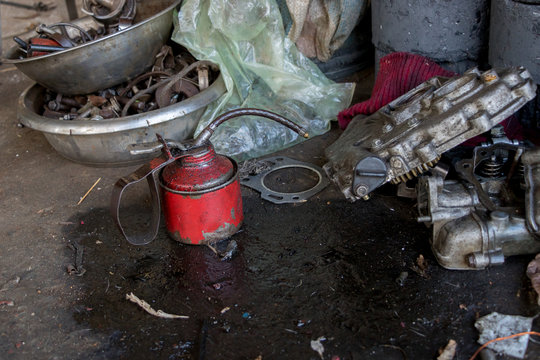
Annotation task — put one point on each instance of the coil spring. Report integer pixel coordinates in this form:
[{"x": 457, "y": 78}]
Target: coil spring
[
  {"x": 415, "y": 172},
  {"x": 491, "y": 168}
]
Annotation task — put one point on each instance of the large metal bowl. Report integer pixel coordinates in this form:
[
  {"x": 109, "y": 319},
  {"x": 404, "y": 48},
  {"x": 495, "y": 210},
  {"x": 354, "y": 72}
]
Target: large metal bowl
[
  {"x": 108, "y": 142},
  {"x": 105, "y": 62}
]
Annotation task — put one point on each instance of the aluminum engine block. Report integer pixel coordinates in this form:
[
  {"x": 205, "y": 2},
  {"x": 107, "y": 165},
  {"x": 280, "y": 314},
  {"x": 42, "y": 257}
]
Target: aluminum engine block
[
  {"x": 407, "y": 136},
  {"x": 490, "y": 213}
]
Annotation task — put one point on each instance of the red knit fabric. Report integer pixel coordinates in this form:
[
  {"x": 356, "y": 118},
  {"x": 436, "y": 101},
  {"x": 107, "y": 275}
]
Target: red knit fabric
[{"x": 398, "y": 73}]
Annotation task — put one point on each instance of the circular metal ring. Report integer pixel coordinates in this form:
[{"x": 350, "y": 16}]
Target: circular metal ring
[{"x": 256, "y": 182}]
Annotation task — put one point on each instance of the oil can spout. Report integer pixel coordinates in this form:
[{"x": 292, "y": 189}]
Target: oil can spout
[{"x": 205, "y": 135}]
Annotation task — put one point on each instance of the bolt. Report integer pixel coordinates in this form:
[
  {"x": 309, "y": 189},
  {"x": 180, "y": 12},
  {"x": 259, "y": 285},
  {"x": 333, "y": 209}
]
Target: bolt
[
  {"x": 376, "y": 143},
  {"x": 471, "y": 260},
  {"x": 396, "y": 163},
  {"x": 361, "y": 190},
  {"x": 497, "y": 131}
]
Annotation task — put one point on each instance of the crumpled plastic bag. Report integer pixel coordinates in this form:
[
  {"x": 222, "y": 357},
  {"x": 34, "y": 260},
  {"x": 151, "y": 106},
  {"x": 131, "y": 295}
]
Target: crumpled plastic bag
[{"x": 262, "y": 69}]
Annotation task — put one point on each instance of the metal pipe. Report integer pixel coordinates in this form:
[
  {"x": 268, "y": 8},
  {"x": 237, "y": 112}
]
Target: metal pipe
[
  {"x": 205, "y": 135},
  {"x": 45, "y": 48},
  {"x": 23, "y": 44}
]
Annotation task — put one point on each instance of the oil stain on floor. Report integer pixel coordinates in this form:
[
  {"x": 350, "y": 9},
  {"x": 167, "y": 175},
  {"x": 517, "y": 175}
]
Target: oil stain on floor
[{"x": 328, "y": 271}]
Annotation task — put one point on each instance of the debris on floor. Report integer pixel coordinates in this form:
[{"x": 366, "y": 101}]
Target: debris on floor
[
  {"x": 497, "y": 325},
  {"x": 400, "y": 280},
  {"x": 89, "y": 191},
  {"x": 449, "y": 351},
  {"x": 533, "y": 272},
  {"x": 148, "y": 308},
  {"x": 10, "y": 284},
  {"x": 317, "y": 346},
  {"x": 77, "y": 267},
  {"x": 421, "y": 266}
]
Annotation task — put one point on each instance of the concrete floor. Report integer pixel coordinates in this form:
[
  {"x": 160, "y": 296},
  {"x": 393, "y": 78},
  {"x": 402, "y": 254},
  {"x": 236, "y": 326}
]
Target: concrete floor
[{"x": 60, "y": 316}]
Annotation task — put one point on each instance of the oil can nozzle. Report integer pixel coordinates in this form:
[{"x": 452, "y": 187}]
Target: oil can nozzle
[{"x": 207, "y": 132}]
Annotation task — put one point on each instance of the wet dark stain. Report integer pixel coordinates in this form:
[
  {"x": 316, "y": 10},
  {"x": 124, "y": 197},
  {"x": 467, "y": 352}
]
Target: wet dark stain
[{"x": 301, "y": 271}]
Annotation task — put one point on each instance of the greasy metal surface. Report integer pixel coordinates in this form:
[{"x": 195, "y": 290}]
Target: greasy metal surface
[
  {"x": 453, "y": 33},
  {"x": 257, "y": 181},
  {"x": 531, "y": 160},
  {"x": 108, "y": 142},
  {"x": 480, "y": 220},
  {"x": 411, "y": 133},
  {"x": 104, "y": 62},
  {"x": 514, "y": 35}
]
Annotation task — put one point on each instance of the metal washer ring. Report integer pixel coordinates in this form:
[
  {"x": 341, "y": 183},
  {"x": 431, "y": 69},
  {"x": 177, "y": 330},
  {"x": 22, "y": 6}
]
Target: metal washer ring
[{"x": 256, "y": 182}]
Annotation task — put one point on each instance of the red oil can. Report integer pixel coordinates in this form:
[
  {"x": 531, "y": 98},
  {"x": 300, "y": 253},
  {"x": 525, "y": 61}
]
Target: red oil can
[
  {"x": 201, "y": 198},
  {"x": 202, "y": 202}
]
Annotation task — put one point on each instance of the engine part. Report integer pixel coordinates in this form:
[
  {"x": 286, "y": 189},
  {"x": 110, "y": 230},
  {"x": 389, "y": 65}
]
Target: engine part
[
  {"x": 407, "y": 137},
  {"x": 256, "y": 181},
  {"x": 480, "y": 220},
  {"x": 201, "y": 192},
  {"x": 452, "y": 33},
  {"x": 531, "y": 162},
  {"x": 514, "y": 35}
]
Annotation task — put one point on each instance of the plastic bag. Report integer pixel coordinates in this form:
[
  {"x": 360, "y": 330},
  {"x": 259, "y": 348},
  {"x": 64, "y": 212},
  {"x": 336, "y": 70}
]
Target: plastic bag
[{"x": 261, "y": 69}]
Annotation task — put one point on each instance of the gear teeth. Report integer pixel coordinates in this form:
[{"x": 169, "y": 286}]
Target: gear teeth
[{"x": 415, "y": 172}]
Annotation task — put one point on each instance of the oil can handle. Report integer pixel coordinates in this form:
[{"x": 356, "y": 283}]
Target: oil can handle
[{"x": 150, "y": 172}]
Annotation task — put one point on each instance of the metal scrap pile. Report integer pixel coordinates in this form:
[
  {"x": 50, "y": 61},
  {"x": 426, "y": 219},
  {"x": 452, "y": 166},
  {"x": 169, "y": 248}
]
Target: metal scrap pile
[
  {"x": 173, "y": 78},
  {"x": 111, "y": 15}
]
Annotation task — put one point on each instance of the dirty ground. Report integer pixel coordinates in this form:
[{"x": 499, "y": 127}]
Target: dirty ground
[{"x": 326, "y": 268}]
